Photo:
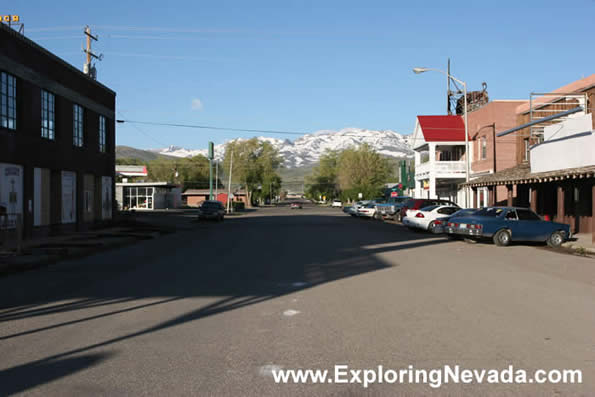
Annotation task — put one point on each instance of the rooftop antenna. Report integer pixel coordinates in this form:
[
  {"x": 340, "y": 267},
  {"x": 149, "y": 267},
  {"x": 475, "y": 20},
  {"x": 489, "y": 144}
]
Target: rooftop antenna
[{"x": 88, "y": 68}]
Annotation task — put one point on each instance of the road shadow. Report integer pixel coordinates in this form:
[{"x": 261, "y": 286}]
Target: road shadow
[{"x": 241, "y": 262}]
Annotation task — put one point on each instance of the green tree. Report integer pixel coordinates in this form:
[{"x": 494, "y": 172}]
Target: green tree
[
  {"x": 323, "y": 180},
  {"x": 255, "y": 165},
  {"x": 129, "y": 161},
  {"x": 192, "y": 172},
  {"x": 349, "y": 172},
  {"x": 362, "y": 170}
]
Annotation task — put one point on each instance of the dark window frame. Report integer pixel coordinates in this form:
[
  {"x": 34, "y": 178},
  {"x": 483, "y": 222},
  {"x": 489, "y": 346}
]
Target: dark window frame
[
  {"x": 8, "y": 101},
  {"x": 48, "y": 114},
  {"x": 102, "y": 134},
  {"x": 78, "y": 125}
]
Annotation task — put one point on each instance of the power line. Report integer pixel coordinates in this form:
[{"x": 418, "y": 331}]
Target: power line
[{"x": 208, "y": 127}]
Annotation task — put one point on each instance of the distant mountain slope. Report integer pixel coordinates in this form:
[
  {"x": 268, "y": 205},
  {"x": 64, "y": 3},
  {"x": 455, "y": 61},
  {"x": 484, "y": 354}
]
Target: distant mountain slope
[
  {"x": 127, "y": 152},
  {"x": 307, "y": 149}
]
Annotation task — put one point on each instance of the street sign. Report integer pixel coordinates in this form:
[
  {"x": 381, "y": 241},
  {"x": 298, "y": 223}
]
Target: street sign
[
  {"x": 360, "y": 195},
  {"x": 394, "y": 194},
  {"x": 211, "y": 151}
]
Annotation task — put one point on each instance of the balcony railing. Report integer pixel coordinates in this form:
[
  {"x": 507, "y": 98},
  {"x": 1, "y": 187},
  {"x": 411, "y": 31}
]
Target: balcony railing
[{"x": 441, "y": 167}]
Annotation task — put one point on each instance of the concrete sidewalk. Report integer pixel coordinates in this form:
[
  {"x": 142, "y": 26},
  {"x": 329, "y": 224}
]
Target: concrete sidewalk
[
  {"x": 127, "y": 229},
  {"x": 581, "y": 242}
]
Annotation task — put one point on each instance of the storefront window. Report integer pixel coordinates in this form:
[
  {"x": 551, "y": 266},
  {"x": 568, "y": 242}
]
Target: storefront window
[{"x": 138, "y": 198}]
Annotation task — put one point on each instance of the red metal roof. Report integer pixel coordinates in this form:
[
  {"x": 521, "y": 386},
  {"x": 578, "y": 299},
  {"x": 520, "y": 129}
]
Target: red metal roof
[{"x": 442, "y": 128}]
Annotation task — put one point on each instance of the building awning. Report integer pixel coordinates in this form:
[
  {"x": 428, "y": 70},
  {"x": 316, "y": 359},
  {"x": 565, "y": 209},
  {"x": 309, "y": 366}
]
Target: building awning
[
  {"x": 521, "y": 174},
  {"x": 442, "y": 128}
]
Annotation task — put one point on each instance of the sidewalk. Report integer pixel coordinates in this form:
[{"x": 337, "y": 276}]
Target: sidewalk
[
  {"x": 128, "y": 229},
  {"x": 581, "y": 242}
]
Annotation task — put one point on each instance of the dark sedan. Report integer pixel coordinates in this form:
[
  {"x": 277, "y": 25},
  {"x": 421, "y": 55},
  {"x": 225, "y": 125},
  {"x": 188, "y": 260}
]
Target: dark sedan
[
  {"x": 507, "y": 224},
  {"x": 211, "y": 209}
]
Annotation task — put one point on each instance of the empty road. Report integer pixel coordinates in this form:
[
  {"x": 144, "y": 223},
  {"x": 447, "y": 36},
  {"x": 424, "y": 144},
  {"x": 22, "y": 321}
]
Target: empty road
[{"x": 214, "y": 310}]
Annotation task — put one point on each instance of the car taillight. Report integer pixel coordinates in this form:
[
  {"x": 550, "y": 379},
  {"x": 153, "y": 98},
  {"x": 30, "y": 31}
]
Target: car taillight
[
  {"x": 475, "y": 226},
  {"x": 419, "y": 215},
  {"x": 437, "y": 222},
  {"x": 450, "y": 224}
]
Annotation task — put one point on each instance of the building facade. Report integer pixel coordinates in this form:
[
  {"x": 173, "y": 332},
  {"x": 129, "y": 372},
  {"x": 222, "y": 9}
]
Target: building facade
[
  {"x": 57, "y": 141},
  {"x": 148, "y": 195},
  {"x": 440, "y": 157},
  {"x": 492, "y": 153},
  {"x": 555, "y": 171}
]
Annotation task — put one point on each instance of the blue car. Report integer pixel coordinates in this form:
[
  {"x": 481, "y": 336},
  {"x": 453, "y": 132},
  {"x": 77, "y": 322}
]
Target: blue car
[{"x": 506, "y": 224}]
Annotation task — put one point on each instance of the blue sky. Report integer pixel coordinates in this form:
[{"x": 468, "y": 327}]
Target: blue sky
[{"x": 309, "y": 65}]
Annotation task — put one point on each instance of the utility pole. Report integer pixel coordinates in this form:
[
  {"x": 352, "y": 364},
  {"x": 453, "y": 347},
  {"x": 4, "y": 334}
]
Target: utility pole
[
  {"x": 89, "y": 69},
  {"x": 211, "y": 155},
  {"x": 229, "y": 184},
  {"x": 448, "y": 89},
  {"x": 216, "y": 179}
]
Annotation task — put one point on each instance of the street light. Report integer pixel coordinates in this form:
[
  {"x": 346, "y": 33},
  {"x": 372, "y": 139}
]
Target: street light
[{"x": 467, "y": 154}]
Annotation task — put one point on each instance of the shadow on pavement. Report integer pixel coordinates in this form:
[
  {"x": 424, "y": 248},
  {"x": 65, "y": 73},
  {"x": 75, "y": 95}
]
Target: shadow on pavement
[
  {"x": 23, "y": 377},
  {"x": 242, "y": 261}
]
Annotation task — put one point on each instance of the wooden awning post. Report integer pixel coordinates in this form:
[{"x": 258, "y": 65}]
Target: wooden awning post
[
  {"x": 560, "y": 208},
  {"x": 534, "y": 198},
  {"x": 509, "y": 198}
]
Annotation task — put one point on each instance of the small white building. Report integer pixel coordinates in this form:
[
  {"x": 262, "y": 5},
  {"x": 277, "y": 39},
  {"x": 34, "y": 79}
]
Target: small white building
[
  {"x": 439, "y": 146},
  {"x": 148, "y": 195}
]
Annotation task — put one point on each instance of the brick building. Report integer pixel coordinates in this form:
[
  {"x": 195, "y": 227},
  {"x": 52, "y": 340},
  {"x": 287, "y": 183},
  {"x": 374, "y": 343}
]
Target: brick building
[
  {"x": 57, "y": 141},
  {"x": 555, "y": 160}
]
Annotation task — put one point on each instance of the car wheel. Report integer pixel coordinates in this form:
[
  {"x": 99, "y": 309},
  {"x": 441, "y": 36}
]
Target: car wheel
[
  {"x": 502, "y": 238},
  {"x": 555, "y": 240},
  {"x": 432, "y": 227}
]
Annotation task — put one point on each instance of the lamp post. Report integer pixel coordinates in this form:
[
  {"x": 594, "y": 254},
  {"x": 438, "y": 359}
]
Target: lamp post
[{"x": 467, "y": 154}]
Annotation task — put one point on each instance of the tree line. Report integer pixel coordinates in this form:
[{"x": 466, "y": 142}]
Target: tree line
[
  {"x": 255, "y": 165},
  {"x": 347, "y": 173}
]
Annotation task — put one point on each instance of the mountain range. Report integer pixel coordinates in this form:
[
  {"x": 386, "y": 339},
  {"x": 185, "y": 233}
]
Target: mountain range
[{"x": 307, "y": 149}]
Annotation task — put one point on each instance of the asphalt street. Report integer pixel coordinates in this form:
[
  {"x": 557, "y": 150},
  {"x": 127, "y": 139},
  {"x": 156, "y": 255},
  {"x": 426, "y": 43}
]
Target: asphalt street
[{"x": 212, "y": 310}]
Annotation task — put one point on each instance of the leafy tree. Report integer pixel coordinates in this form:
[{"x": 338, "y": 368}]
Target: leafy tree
[
  {"x": 349, "y": 172},
  {"x": 323, "y": 181},
  {"x": 192, "y": 173},
  {"x": 255, "y": 165},
  {"x": 129, "y": 161}
]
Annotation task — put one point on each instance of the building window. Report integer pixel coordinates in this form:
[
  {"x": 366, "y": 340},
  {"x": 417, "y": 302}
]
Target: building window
[
  {"x": 484, "y": 148},
  {"x": 526, "y": 147},
  {"x": 77, "y": 121},
  {"x": 8, "y": 101},
  {"x": 47, "y": 115},
  {"x": 102, "y": 147}
]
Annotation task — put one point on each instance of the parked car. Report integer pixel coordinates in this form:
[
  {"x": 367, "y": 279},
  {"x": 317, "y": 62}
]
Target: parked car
[
  {"x": 441, "y": 222},
  {"x": 295, "y": 206},
  {"x": 425, "y": 218},
  {"x": 415, "y": 204},
  {"x": 350, "y": 210},
  {"x": 211, "y": 209},
  {"x": 337, "y": 204},
  {"x": 367, "y": 211},
  {"x": 507, "y": 224},
  {"x": 391, "y": 207}
]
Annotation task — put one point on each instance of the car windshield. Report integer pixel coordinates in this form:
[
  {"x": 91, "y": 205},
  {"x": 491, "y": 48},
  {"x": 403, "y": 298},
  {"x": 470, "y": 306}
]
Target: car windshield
[
  {"x": 490, "y": 212},
  {"x": 429, "y": 208}
]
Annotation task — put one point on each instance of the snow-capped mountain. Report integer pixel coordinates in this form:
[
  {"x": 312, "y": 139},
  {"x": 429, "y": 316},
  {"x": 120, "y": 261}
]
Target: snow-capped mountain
[{"x": 307, "y": 149}]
